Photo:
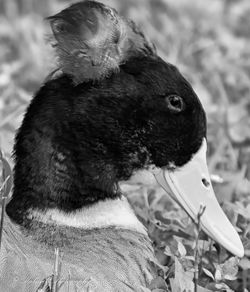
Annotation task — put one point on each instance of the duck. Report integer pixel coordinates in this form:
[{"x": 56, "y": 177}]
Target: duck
[{"x": 78, "y": 141}]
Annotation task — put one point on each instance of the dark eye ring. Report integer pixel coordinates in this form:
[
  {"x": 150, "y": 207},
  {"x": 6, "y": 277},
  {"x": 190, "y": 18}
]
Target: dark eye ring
[{"x": 175, "y": 103}]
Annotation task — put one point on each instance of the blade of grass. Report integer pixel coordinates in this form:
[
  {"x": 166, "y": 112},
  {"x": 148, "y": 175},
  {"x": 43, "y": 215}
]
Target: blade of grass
[
  {"x": 69, "y": 279},
  {"x": 4, "y": 190},
  {"x": 55, "y": 276},
  {"x": 196, "y": 250},
  {"x": 4, "y": 196}
]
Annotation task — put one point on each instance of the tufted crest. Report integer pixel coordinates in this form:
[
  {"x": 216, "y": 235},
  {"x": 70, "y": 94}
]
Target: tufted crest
[{"x": 92, "y": 40}]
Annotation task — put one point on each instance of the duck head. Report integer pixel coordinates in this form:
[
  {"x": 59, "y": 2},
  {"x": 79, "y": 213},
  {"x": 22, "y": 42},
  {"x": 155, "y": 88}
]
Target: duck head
[
  {"x": 77, "y": 143},
  {"x": 174, "y": 139},
  {"x": 92, "y": 40}
]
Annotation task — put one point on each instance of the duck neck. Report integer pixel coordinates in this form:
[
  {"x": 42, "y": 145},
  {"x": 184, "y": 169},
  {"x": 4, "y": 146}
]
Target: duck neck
[{"x": 103, "y": 214}]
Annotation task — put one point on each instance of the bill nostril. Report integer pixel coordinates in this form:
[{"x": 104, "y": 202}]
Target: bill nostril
[{"x": 205, "y": 182}]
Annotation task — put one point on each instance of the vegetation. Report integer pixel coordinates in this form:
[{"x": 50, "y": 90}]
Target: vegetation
[{"x": 209, "y": 42}]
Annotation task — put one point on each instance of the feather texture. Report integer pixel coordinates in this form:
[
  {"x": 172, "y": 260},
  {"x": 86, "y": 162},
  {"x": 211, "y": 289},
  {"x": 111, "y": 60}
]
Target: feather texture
[
  {"x": 92, "y": 40},
  {"x": 104, "y": 259}
]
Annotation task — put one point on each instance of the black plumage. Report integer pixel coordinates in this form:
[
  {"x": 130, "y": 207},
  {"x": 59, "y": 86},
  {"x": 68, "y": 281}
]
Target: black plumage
[{"x": 77, "y": 142}]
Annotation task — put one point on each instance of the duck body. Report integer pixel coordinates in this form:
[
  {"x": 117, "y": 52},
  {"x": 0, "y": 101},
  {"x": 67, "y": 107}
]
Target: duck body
[{"x": 98, "y": 259}]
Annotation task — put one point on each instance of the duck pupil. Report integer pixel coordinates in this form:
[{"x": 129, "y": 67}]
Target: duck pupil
[
  {"x": 175, "y": 101},
  {"x": 205, "y": 182}
]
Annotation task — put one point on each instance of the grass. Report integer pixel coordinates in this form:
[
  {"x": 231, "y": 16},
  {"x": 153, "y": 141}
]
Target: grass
[{"x": 209, "y": 42}]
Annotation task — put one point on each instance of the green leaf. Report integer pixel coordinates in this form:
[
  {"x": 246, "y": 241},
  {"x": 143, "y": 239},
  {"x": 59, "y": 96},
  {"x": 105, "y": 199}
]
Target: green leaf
[
  {"x": 201, "y": 289},
  {"x": 229, "y": 269},
  {"x": 217, "y": 275},
  {"x": 183, "y": 280},
  {"x": 245, "y": 264},
  {"x": 181, "y": 249},
  {"x": 208, "y": 273}
]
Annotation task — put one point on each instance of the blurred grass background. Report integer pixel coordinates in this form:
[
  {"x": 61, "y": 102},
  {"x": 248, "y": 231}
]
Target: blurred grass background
[{"x": 207, "y": 40}]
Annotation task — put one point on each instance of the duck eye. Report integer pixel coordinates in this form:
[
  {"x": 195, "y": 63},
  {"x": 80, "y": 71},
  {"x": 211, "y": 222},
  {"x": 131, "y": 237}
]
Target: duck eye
[{"x": 175, "y": 103}]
